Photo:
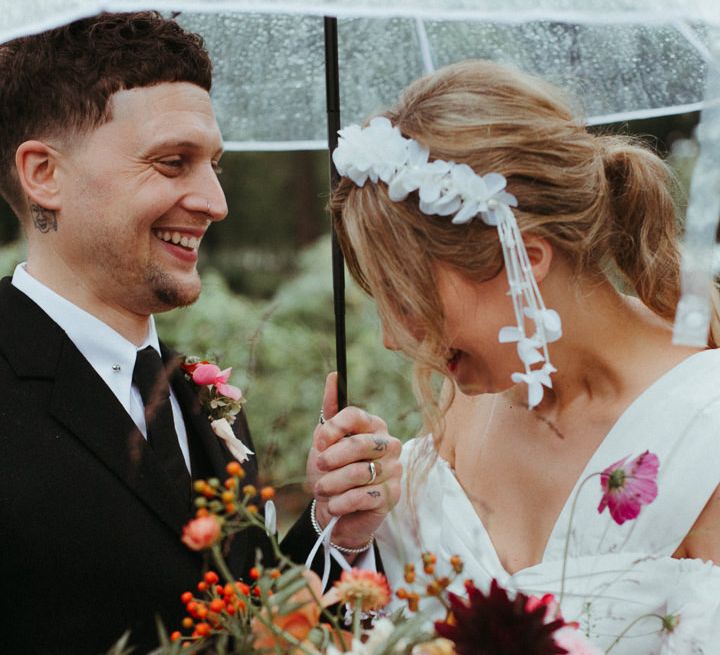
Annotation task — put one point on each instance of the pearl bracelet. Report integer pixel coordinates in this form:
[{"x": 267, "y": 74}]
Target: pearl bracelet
[{"x": 342, "y": 549}]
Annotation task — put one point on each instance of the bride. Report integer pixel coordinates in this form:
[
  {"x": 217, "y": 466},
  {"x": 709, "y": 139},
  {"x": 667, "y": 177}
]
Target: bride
[{"x": 535, "y": 265}]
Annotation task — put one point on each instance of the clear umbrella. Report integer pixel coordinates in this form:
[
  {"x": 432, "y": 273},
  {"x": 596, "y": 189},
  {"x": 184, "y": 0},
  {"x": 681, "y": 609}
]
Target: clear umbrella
[{"x": 623, "y": 59}]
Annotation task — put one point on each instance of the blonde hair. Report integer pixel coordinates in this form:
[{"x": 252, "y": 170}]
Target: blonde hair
[{"x": 603, "y": 201}]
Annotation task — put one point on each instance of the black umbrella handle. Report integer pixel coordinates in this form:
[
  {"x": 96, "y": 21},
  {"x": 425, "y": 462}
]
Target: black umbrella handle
[{"x": 332, "y": 89}]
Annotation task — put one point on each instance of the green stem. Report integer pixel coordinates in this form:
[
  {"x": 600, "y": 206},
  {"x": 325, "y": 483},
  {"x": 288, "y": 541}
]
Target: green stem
[
  {"x": 220, "y": 562},
  {"x": 567, "y": 538},
  {"x": 356, "y": 618},
  {"x": 629, "y": 627}
]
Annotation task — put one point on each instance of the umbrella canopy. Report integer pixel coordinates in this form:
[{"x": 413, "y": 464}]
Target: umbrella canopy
[{"x": 622, "y": 58}]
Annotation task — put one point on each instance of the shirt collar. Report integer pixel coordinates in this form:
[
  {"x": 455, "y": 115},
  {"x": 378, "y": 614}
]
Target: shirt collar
[{"x": 108, "y": 352}]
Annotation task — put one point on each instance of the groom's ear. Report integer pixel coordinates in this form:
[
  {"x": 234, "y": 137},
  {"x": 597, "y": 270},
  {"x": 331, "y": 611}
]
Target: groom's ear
[
  {"x": 36, "y": 164},
  {"x": 540, "y": 253}
]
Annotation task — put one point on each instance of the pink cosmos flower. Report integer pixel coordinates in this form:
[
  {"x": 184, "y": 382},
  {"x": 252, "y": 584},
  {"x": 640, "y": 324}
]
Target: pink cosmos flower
[
  {"x": 201, "y": 533},
  {"x": 207, "y": 374},
  {"x": 628, "y": 485}
]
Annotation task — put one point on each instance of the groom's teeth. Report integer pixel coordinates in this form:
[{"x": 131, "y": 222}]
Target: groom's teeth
[{"x": 179, "y": 239}]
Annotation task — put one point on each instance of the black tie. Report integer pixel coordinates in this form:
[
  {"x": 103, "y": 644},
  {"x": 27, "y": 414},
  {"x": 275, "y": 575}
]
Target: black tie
[{"x": 151, "y": 380}]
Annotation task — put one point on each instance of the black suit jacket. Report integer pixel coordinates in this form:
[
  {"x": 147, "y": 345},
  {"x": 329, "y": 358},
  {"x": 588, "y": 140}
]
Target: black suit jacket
[{"x": 90, "y": 524}]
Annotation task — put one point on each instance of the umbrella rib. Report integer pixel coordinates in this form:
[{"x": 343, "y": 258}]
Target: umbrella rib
[{"x": 428, "y": 64}]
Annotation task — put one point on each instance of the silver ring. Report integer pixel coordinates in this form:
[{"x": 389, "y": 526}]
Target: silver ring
[
  {"x": 373, "y": 473},
  {"x": 321, "y": 418}
]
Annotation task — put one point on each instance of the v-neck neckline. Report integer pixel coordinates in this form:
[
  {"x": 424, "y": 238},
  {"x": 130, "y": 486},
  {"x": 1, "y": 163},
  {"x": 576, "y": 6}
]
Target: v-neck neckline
[{"x": 594, "y": 464}]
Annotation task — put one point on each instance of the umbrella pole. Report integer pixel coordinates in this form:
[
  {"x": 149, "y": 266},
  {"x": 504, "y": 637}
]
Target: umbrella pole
[{"x": 332, "y": 89}]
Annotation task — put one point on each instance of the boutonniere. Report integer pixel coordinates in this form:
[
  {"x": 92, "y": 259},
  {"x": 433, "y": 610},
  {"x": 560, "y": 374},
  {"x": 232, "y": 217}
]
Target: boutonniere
[{"x": 222, "y": 401}]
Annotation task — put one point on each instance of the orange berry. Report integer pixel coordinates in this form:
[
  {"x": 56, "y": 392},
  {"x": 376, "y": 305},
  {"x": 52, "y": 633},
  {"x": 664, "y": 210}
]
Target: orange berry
[
  {"x": 201, "y": 611},
  {"x": 199, "y": 486},
  {"x": 257, "y": 591},
  {"x": 186, "y": 597},
  {"x": 228, "y": 589},
  {"x": 252, "y": 509},
  {"x": 433, "y": 589},
  {"x": 234, "y": 468},
  {"x": 241, "y": 605},
  {"x": 249, "y": 490},
  {"x": 202, "y": 629},
  {"x": 267, "y": 493},
  {"x": 231, "y": 508},
  {"x": 242, "y": 588},
  {"x": 202, "y": 512},
  {"x": 275, "y": 574},
  {"x": 217, "y": 605},
  {"x": 191, "y": 608},
  {"x": 227, "y": 497},
  {"x": 409, "y": 573},
  {"x": 255, "y": 573},
  {"x": 230, "y": 483},
  {"x": 175, "y": 635},
  {"x": 202, "y": 587},
  {"x": 230, "y": 608},
  {"x": 211, "y": 577},
  {"x": 187, "y": 623},
  {"x": 219, "y": 589}
]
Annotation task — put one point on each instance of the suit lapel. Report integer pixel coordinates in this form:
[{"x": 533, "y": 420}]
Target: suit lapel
[{"x": 84, "y": 404}]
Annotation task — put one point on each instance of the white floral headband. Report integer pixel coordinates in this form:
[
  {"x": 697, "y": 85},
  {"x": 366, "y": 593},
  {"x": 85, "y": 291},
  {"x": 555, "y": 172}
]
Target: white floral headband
[{"x": 380, "y": 152}]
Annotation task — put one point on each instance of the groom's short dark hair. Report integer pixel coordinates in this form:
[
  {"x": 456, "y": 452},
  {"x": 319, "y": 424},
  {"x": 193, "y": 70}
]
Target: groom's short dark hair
[{"x": 61, "y": 80}]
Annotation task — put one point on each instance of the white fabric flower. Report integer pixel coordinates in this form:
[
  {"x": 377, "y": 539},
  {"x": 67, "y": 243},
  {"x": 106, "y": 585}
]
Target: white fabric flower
[
  {"x": 535, "y": 381},
  {"x": 550, "y": 321},
  {"x": 237, "y": 448},
  {"x": 528, "y": 352},
  {"x": 375, "y": 152},
  {"x": 477, "y": 191}
]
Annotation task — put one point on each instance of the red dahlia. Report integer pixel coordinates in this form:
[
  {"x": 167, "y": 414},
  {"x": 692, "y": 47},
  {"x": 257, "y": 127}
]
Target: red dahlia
[{"x": 495, "y": 624}]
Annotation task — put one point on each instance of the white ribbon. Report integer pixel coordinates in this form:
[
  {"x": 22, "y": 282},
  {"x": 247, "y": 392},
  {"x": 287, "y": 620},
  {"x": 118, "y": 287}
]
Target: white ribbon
[
  {"x": 239, "y": 450},
  {"x": 324, "y": 541}
]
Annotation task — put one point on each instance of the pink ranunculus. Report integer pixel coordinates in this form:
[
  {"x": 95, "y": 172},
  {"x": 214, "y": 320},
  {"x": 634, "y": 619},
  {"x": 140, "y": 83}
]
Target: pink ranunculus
[
  {"x": 201, "y": 533},
  {"x": 628, "y": 485},
  {"x": 207, "y": 374}
]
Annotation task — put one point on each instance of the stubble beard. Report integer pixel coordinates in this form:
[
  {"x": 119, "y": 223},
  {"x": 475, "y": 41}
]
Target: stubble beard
[{"x": 167, "y": 292}]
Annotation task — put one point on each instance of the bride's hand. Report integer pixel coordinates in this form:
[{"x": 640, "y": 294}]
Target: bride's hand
[{"x": 348, "y": 450}]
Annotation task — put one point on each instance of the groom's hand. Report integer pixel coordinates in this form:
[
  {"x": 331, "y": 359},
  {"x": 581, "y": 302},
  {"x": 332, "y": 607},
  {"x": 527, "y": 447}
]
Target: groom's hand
[{"x": 340, "y": 474}]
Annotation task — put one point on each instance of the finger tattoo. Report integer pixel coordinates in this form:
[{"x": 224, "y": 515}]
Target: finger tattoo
[
  {"x": 380, "y": 444},
  {"x": 374, "y": 494},
  {"x": 43, "y": 219}
]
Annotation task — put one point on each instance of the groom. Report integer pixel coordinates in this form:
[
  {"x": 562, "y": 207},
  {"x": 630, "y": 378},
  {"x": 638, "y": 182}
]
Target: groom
[{"x": 108, "y": 155}]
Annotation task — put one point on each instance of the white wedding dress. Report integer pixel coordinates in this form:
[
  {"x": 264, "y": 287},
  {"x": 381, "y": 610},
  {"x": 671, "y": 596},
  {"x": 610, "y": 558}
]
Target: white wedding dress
[{"x": 614, "y": 574}]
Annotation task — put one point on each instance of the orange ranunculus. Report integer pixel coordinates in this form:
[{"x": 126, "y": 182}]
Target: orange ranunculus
[
  {"x": 298, "y": 623},
  {"x": 201, "y": 533}
]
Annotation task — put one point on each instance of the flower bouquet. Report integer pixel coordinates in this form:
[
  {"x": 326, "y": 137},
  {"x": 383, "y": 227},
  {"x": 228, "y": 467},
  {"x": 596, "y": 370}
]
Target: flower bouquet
[{"x": 281, "y": 608}]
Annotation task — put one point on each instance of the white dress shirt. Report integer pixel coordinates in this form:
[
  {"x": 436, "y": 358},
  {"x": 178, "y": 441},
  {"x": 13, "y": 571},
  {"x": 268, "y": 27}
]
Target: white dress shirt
[{"x": 108, "y": 352}]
